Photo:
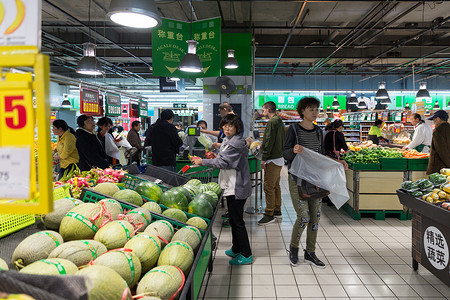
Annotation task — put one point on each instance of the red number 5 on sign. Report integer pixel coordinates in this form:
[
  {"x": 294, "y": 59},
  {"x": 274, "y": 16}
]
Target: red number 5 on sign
[{"x": 13, "y": 107}]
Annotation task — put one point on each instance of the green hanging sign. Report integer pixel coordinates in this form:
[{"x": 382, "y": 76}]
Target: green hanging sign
[
  {"x": 169, "y": 46},
  {"x": 113, "y": 105},
  {"x": 143, "y": 108}
]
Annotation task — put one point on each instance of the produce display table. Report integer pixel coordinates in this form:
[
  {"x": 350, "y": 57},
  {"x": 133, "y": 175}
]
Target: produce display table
[
  {"x": 430, "y": 236},
  {"x": 373, "y": 192}
]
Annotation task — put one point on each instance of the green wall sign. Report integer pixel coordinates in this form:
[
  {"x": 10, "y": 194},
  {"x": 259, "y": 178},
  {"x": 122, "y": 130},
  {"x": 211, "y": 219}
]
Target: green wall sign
[{"x": 169, "y": 47}]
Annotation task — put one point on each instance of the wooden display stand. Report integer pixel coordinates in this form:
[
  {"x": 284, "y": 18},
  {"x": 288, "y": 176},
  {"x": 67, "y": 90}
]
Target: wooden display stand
[{"x": 373, "y": 192}]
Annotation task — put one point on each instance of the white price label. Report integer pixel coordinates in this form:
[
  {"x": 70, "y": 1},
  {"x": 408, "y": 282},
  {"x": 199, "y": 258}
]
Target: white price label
[{"x": 14, "y": 173}]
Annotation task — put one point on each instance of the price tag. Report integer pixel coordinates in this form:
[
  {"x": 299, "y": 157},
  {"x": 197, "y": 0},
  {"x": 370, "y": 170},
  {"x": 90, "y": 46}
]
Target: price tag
[{"x": 15, "y": 172}]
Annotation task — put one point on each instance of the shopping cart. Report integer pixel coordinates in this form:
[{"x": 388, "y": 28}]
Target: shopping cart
[{"x": 204, "y": 174}]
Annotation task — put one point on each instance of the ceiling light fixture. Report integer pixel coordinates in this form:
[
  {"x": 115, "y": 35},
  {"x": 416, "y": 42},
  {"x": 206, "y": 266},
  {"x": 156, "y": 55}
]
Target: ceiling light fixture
[
  {"x": 66, "y": 103},
  {"x": 427, "y": 112},
  {"x": 407, "y": 107},
  {"x": 336, "y": 111},
  {"x": 174, "y": 79},
  {"x": 124, "y": 111},
  {"x": 423, "y": 93},
  {"x": 335, "y": 103},
  {"x": 436, "y": 105},
  {"x": 382, "y": 93},
  {"x": 134, "y": 13},
  {"x": 191, "y": 62},
  {"x": 231, "y": 62},
  {"x": 89, "y": 64},
  {"x": 328, "y": 109},
  {"x": 353, "y": 99},
  {"x": 361, "y": 103}
]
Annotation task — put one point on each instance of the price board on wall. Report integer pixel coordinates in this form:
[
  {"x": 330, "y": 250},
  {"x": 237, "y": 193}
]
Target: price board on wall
[
  {"x": 89, "y": 102},
  {"x": 113, "y": 105},
  {"x": 143, "y": 108}
]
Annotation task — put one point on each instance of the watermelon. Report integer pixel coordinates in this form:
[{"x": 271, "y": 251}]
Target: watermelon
[
  {"x": 198, "y": 222},
  {"x": 175, "y": 199},
  {"x": 214, "y": 196},
  {"x": 150, "y": 190},
  {"x": 215, "y": 187},
  {"x": 189, "y": 235},
  {"x": 176, "y": 214},
  {"x": 129, "y": 196},
  {"x": 104, "y": 283},
  {"x": 184, "y": 191},
  {"x": 192, "y": 189},
  {"x": 203, "y": 188},
  {"x": 178, "y": 254},
  {"x": 124, "y": 262},
  {"x": 152, "y": 207},
  {"x": 147, "y": 248},
  {"x": 201, "y": 207},
  {"x": 195, "y": 182},
  {"x": 207, "y": 197},
  {"x": 162, "y": 282}
]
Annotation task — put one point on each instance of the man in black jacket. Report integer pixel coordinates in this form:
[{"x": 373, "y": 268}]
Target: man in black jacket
[{"x": 165, "y": 142}]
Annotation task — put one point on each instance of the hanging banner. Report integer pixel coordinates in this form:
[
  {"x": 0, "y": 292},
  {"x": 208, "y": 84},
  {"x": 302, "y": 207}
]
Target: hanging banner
[
  {"x": 134, "y": 108},
  {"x": 89, "y": 102},
  {"x": 169, "y": 47},
  {"x": 143, "y": 108},
  {"x": 20, "y": 23},
  {"x": 113, "y": 107}
]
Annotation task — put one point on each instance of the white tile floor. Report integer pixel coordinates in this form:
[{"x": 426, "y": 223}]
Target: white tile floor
[{"x": 366, "y": 259}]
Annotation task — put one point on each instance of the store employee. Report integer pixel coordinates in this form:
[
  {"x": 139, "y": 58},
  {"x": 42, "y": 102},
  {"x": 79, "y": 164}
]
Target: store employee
[
  {"x": 375, "y": 133},
  {"x": 422, "y": 135}
]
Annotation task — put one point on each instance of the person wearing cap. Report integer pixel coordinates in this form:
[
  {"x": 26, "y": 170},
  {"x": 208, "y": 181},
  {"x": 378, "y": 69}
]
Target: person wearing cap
[
  {"x": 423, "y": 132},
  {"x": 440, "y": 143},
  {"x": 375, "y": 133}
]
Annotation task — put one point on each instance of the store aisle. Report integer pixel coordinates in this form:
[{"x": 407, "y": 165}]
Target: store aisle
[{"x": 365, "y": 259}]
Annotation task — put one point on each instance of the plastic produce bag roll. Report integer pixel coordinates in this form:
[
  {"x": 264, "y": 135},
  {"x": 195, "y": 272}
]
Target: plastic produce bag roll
[{"x": 323, "y": 172}]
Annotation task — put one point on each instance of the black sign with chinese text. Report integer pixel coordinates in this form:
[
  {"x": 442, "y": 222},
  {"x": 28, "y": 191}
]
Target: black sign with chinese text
[
  {"x": 113, "y": 105},
  {"x": 89, "y": 102}
]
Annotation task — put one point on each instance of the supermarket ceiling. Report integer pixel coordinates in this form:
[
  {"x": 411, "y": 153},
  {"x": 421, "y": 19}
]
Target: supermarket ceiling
[{"x": 321, "y": 37}]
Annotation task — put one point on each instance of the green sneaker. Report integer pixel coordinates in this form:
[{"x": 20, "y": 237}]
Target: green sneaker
[
  {"x": 241, "y": 260},
  {"x": 230, "y": 253}
]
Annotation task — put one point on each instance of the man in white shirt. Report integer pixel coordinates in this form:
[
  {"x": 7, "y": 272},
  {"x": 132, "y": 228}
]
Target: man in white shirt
[{"x": 422, "y": 136}]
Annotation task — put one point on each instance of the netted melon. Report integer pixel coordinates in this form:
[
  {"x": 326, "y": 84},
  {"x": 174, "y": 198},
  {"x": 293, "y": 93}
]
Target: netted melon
[
  {"x": 3, "y": 265},
  {"x": 140, "y": 218},
  {"x": 82, "y": 222},
  {"x": 198, "y": 222},
  {"x": 177, "y": 254},
  {"x": 106, "y": 188},
  {"x": 152, "y": 206},
  {"x": 176, "y": 214},
  {"x": 162, "y": 282},
  {"x": 115, "y": 234},
  {"x": 79, "y": 252},
  {"x": 150, "y": 298},
  {"x": 124, "y": 262},
  {"x": 111, "y": 208},
  {"x": 51, "y": 266},
  {"x": 129, "y": 196},
  {"x": 163, "y": 228},
  {"x": 147, "y": 248},
  {"x": 61, "y": 207},
  {"x": 35, "y": 247},
  {"x": 190, "y": 235},
  {"x": 104, "y": 283}
]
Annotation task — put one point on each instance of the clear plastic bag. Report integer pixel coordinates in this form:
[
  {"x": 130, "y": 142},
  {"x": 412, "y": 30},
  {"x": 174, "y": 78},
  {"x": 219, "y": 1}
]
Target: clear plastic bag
[
  {"x": 205, "y": 141},
  {"x": 323, "y": 172}
]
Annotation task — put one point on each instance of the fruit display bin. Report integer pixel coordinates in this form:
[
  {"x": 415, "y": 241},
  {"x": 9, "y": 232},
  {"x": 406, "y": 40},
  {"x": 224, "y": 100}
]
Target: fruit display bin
[
  {"x": 394, "y": 164},
  {"x": 430, "y": 235},
  {"x": 417, "y": 164},
  {"x": 358, "y": 166}
]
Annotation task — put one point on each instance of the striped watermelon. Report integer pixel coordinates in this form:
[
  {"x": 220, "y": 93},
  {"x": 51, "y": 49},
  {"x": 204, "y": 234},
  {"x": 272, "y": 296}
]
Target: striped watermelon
[
  {"x": 215, "y": 187},
  {"x": 195, "y": 182}
]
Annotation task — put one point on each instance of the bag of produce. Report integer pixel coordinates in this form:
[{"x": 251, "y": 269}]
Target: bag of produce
[
  {"x": 425, "y": 185},
  {"x": 205, "y": 141},
  {"x": 437, "y": 179}
]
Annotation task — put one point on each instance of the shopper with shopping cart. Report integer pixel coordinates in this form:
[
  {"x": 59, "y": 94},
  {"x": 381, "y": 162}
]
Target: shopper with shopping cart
[{"x": 234, "y": 179}]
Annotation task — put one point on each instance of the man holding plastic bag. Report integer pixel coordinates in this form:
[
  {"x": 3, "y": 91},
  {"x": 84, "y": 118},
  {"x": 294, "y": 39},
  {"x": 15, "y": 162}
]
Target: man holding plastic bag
[{"x": 306, "y": 194}]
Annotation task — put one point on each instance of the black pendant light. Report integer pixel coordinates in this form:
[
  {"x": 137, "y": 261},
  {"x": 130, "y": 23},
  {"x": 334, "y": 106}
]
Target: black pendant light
[
  {"x": 66, "y": 103},
  {"x": 335, "y": 103},
  {"x": 231, "y": 62},
  {"x": 382, "y": 93},
  {"x": 436, "y": 105},
  {"x": 423, "y": 94},
  {"x": 361, "y": 103},
  {"x": 191, "y": 62},
  {"x": 328, "y": 109},
  {"x": 407, "y": 107},
  {"x": 353, "y": 99}
]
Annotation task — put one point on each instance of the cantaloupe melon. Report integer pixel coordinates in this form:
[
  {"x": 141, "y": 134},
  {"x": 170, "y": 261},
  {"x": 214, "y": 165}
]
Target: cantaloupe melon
[
  {"x": 176, "y": 214},
  {"x": 198, "y": 222},
  {"x": 3, "y": 265},
  {"x": 124, "y": 262},
  {"x": 79, "y": 252},
  {"x": 140, "y": 218},
  {"x": 106, "y": 188},
  {"x": 61, "y": 207},
  {"x": 51, "y": 266},
  {"x": 36, "y": 247},
  {"x": 111, "y": 207},
  {"x": 189, "y": 235},
  {"x": 147, "y": 248},
  {"x": 104, "y": 283},
  {"x": 162, "y": 282},
  {"x": 129, "y": 196},
  {"x": 152, "y": 207},
  {"x": 163, "y": 228},
  {"x": 115, "y": 234},
  {"x": 82, "y": 222},
  {"x": 177, "y": 254}
]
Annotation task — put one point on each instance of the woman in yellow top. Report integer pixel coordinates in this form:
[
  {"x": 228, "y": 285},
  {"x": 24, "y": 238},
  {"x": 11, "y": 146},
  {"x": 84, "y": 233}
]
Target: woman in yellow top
[
  {"x": 375, "y": 133},
  {"x": 66, "y": 146}
]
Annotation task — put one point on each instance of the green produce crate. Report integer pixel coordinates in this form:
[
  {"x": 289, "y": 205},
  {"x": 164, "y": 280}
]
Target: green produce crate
[
  {"x": 88, "y": 195},
  {"x": 358, "y": 166},
  {"x": 10, "y": 223},
  {"x": 394, "y": 164},
  {"x": 417, "y": 164},
  {"x": 62, "y": 191},
  {"x": 130, "y": 182}
]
